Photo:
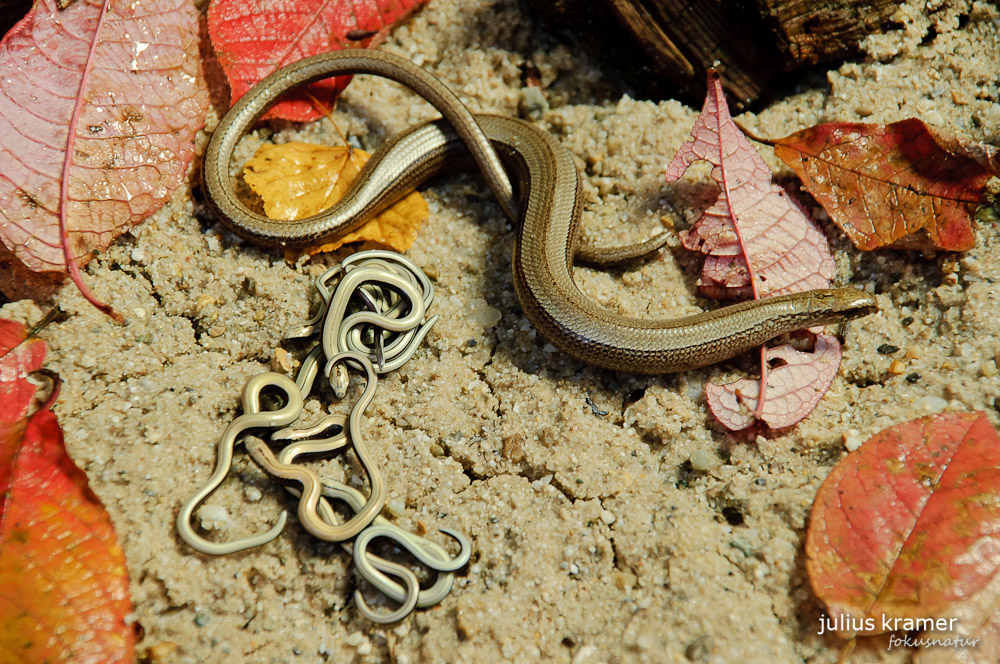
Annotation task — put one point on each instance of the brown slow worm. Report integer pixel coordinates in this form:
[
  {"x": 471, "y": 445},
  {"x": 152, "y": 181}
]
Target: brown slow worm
[{"x": 547, "y": 210}]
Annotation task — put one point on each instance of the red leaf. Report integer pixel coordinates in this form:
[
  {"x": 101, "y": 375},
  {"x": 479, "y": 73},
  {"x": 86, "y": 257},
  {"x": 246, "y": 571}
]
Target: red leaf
[
  {"x": 907, "y": 526},
  {"x": 905, "y": 184},
  {"x": 133, "y": 95},
  {"x": 792, "y": 389},
  {"x": 976, "y": 622},
  {"x": 787, "y": 253},
  {"x": 19, "y": 356},
  {"x": 254, "y": 39},
  {"x": 63, "y": 581}
]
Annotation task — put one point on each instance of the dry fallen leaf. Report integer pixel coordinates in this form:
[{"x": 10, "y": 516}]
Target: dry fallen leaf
[
  {"x": 755, "y": 218},
  {"x": 906, "y": 184},
  {"x": 253, "y": 39},
  {"x": 297, "y": 180},
  {"x": 790, "y": 392},
  {"x": 99, "y": 104},
  {"x": 63, "y": 582},
  {"x": 908, "y": 526},
  {"x": 975, "y": 631}
]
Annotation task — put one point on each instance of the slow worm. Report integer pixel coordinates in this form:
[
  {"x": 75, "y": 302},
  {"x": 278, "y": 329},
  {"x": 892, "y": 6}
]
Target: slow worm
[{"x": 547, "y": 210}]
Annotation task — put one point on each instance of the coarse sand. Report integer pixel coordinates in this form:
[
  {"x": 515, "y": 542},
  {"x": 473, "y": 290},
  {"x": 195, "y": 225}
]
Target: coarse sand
[{"x": 596, "y": 539}]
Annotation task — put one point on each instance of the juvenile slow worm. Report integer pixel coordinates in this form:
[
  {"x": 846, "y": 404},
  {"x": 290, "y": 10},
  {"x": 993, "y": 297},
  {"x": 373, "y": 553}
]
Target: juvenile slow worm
[{"x": 547, "y": 210}]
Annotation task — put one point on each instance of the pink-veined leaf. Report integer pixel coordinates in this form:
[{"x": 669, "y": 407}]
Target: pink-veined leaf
[
  {"x": 792, "y": 388},
  {"x": 757, "y": 241},
  {"x": 99, "y": 105}
]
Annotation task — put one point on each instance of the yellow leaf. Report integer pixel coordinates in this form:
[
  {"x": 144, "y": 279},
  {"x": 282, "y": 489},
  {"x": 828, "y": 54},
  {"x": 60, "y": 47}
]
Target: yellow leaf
[{"x": 296, "y": 180}]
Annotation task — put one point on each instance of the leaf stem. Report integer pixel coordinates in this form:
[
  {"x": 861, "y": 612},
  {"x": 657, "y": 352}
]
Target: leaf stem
[
  {"x": 74, "y": 269},
  {"x": 759, "y": 410}
]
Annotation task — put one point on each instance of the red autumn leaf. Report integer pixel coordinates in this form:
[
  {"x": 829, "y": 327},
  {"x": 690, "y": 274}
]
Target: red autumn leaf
[
  {"x": 792, "y": 388},
  {"x": 63, "y": 582},
  {"x": 974, "y": 632},
  {"x": 908, "y": 526},
  {"x": 755, "y": 218},
  {"x": 19, "y": 356},
  {"x": 252, "y": 39},
  {"x": 98, "y": 112},
  {"x": 904, "y": 184}
]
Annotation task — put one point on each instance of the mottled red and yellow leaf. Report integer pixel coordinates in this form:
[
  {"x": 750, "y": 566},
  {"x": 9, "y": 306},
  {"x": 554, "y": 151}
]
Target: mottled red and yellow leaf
[
  {"x": 908, "y": 526},
  {"x": 63, "y": 582},
  {"x": 904, "y": 184}
]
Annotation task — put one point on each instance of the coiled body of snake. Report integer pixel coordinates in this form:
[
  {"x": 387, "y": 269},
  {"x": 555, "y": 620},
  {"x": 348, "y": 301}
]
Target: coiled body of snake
[{"x": 547, "y": 211}]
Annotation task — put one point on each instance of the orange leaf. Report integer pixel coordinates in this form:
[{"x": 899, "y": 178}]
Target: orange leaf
[
  {"x": 904, "y": 184},
  {"x": 297, "y": 180},
  {"x": 907, "y": 526},
  {"x": 63, "y": 582}
]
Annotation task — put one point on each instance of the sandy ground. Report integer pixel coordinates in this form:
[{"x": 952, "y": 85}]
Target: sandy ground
[{"x": 595, "y": 539}]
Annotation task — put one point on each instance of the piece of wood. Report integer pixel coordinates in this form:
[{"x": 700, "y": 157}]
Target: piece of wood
[
  {"x": 749, "y": 42},
  {"x": 809, "y": 32}
]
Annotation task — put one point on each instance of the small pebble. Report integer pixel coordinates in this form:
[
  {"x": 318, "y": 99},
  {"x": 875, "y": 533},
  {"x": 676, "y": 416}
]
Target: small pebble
[
  {"x": 930, "y": 404},
  {"x": 533, "y": 104},
  {"x": 989, "y": 368},
  {"x": 852, "y": 440},
  {"x": 897, "y": 367},
  {"x": 252, "y": 494},
  {"x": 137, "y": 255},
  {"x": 354, "y": 639},
  {"x": 160, "y": 652},
  {"x": 608, "y": 517},
  {"x": 396, "y": 507},
  {"x": 702, "y": 460},
  {"x": 216, "y": 331},
  {"x": 204, "y": 300},
  {"x": 485, "y": 315},
  {"x": 282, "y": 359},
  {"x": 697, "y": 650},
  {"x": 212, "y": 513}
]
